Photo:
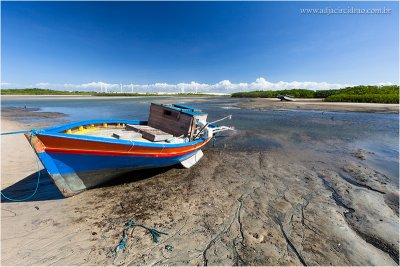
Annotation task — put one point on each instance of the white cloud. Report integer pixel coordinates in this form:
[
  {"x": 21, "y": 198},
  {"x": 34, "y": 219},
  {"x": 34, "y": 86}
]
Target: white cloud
[
  {"x": 8, "y": 85},
  {"x": 384, "y": 83},
  {"x": 224, "y": 86},
  {"x": 43, "y": 85}
]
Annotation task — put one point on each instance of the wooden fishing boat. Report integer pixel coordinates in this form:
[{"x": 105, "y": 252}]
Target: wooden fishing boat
[{"x": 85, "y": 154}]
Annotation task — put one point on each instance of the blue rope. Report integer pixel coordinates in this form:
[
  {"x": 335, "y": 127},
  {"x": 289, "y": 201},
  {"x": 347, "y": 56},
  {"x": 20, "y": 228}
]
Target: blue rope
[
  {"x": 33, "y": 133},
  {"x": 155, "y": 234},
  {"x": 122, "y": 243},
  {"x": 17, "y": 132},
  {"x": 214, "y": 139}
]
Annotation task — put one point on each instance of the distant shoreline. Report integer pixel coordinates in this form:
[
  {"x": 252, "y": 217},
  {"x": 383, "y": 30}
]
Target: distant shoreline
[
  {"x": 243, "y": 103},
  {"x": 121, "y": 95},
  {"x": 50, "y": 92},
  {"x": 61, "y": 97}
]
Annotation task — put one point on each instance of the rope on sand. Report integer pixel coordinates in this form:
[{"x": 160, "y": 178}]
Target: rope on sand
[
  {"x": 155, "y": 234},
  {"x": 32, "y": 132}
]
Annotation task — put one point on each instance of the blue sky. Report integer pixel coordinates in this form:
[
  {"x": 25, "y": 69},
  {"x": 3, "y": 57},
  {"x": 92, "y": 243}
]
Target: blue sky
[{"x": 233, "y": 44}]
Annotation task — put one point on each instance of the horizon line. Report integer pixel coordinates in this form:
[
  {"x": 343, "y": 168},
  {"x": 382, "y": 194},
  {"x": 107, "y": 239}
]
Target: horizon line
[{"x": 224, "y": 86}]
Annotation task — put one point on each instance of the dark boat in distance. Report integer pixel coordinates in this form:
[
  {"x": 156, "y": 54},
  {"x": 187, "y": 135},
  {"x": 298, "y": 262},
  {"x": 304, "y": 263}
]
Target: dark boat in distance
[
  {"x": 286, "y": 98},
  {"x": 85, "y": 154}
]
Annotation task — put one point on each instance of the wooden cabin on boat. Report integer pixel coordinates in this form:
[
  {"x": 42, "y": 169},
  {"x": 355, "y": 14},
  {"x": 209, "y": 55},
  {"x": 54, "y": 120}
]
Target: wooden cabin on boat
[
  {"x": 175, "y": 123},
  {"x": 168, "y": 121}
]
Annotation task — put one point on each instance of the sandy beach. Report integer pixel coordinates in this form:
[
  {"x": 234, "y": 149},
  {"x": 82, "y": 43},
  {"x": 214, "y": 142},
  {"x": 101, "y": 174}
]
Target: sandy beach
[
  {"x": 317, "y": 104},
  {"x": 281, "y": 206}
]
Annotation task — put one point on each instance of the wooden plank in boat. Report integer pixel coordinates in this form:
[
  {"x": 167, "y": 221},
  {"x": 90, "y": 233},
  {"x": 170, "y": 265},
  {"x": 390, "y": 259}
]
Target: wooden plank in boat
[
  {"x": 156, "y": 136},
  {"x": 150, "y": 133},
  {"x": 127, "y": 135},
  {"x": 139, "y": 128}
]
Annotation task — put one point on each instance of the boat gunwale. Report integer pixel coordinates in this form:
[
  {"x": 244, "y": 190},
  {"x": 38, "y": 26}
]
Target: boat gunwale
[{"x": 55, "y": 131}]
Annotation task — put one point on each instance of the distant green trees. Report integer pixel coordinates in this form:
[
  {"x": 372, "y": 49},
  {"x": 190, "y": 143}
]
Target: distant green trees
[
  {"x": 361, "y": 93},
  {"x": 367, "y": 98},
  {"x": 359, "y": 90},
  {"x": 298, "y": 93}
]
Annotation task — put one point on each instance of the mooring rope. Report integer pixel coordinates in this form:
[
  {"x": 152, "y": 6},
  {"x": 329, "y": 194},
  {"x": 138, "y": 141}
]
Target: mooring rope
[
  {"x": 33, "y": 132},
  {"x": 155, "y": 234}
]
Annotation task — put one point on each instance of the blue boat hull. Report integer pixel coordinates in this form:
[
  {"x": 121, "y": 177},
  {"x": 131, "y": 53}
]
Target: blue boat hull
[{"x": 74, "y": 173}]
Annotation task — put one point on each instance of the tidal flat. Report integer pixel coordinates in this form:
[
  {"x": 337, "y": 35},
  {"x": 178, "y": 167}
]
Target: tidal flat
[{"x": 289, "y": 187}]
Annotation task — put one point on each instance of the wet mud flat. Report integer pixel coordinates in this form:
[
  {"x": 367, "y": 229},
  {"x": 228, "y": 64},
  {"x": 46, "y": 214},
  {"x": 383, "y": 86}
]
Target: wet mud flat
[
  {"x": 24, "y": 113},
  {"x": 289, "y": 201},
  {"x": 248, "y": 208}
]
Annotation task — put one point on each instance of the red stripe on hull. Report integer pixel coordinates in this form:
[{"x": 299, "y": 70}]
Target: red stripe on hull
[
  {"x": 123, "y": 153},
  {"x": 66, "y": 143}
]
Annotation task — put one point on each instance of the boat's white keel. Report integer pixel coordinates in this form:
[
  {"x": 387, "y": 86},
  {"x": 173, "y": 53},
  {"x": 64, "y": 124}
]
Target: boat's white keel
[{"x": 187, "y": 163}]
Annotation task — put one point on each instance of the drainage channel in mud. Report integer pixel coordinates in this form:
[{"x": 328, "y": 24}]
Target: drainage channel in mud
[
  {"x": 374, "y": 241},
  {"x": 355, "y": 183},
  {"x": 338, "y": 198}
]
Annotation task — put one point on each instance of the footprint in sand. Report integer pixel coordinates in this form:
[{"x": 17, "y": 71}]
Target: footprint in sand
[{"x": 258, "y": 238}]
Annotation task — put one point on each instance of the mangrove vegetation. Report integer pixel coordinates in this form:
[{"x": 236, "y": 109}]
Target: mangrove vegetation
[{"x": 362, "y": 93}]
